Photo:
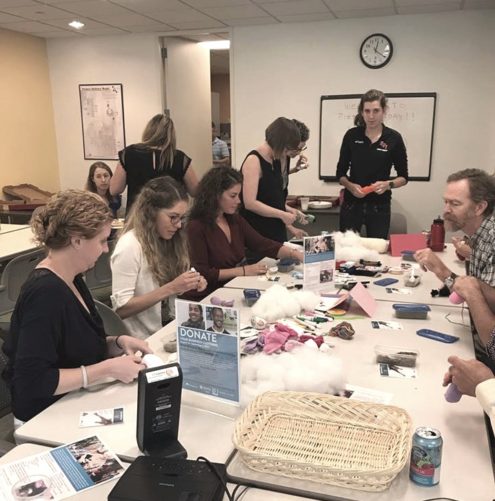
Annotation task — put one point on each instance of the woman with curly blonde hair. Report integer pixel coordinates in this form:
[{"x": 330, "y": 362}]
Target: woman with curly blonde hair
[
  {"x": 57, "y": 342},
  {"x": 150, "y": 263}
]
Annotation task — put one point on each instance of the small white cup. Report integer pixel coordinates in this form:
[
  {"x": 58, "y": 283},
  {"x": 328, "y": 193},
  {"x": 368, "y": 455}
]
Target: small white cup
[{"x": 304, "y": 201}]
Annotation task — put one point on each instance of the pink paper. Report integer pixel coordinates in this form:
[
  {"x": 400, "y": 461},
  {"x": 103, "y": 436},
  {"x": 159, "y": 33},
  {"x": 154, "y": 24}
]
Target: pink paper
[
  {"x": 364, "y": 299},
  {"x": 406, "y": 241}
]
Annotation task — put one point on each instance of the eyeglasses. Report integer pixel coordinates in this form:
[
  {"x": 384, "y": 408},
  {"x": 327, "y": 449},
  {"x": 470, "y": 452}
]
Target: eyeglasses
[
  {"x": 175, "y": 219},
  {"x": 298, "y": 150}
]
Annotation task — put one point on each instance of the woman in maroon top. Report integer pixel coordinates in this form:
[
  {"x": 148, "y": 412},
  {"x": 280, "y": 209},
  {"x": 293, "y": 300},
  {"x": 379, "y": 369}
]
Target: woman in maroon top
[{"x": 218, "y": 236}]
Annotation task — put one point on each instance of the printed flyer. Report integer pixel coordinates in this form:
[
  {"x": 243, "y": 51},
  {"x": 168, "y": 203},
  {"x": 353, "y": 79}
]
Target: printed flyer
[
  {"x": 319, "y": 262},
  {"x": 61, "y": 472},
  {"x": 208, "y": 349}
]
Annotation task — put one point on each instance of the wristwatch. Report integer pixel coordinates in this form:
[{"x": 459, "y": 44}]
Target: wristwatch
[
  {"x": 391, "y": 184},
  {"x": 449, "y": 281}
]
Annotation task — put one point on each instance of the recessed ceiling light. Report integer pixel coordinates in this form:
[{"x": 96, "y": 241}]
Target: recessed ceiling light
[
  {"x": 76, "y": 24},
  {"x": 216, "y": 44}
]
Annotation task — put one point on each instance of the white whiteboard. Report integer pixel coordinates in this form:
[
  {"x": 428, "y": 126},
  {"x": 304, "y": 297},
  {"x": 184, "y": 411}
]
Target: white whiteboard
[{"x": 413, "y": 115}]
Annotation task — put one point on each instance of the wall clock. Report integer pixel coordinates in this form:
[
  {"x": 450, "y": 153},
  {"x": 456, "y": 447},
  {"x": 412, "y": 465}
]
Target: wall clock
[{"x": 376, "y": 51}]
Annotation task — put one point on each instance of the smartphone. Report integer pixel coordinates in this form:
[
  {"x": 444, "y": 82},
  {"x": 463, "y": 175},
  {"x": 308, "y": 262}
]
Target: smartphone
[{"x": 386, "y": 281}]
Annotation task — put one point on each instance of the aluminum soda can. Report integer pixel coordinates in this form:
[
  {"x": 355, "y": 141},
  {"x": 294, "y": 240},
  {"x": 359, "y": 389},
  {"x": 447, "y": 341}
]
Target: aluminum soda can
[{"x": 426, "y": 456}]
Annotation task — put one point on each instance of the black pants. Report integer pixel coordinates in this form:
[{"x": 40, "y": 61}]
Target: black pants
[{"x": 375, "y": 218}]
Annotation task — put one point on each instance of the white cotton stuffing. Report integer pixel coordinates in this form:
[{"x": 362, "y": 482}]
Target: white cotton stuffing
[
  {"x": 277, "y": 302},
  {"x": 302, "y": 369},
  {"x": 349, "y": 246}
]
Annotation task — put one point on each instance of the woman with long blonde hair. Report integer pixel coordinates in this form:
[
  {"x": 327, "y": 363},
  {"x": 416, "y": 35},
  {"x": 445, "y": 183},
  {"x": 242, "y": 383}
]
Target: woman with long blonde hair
[
  {"x": 155, "y": 156},
  {"x": 150, "y": 263}
]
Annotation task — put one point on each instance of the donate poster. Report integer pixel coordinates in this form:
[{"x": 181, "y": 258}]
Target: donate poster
[{"x": 208, "y": 349}]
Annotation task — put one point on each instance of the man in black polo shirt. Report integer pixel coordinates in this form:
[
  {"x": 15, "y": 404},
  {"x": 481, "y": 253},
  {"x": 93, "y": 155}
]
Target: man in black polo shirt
[{"x": 367, "y": 155}]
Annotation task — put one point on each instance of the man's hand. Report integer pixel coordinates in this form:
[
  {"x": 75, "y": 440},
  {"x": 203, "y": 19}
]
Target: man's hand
[
  {"x": 466, "y": 374},
  {"x": 428, "y": 260}
]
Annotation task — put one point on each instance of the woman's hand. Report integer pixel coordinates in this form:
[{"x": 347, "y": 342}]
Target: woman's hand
[
  {"x": 131, "y": 345},
  {"x": 255, "y": 269},
  {"x": 355, "y": 189},
  {"x": 288, "y": 218},
  {"x": 202, "y": 284},
  {"x": 302, "y": 163},
  {"x": 125, "y": 368},
  {"x": 185, "y": 282},
  {"x": 297, "y": 232},
  {"x": 380, "y": 187}
]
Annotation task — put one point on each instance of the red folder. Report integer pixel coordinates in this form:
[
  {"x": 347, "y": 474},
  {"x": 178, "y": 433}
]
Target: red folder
[{"x": 407, "y": 241}]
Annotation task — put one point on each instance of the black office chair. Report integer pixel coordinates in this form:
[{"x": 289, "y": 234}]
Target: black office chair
[
  {"x": 99, "y": 278},
  {"x": 114, "y": 325},
  {"x": 13, "y": 277}
]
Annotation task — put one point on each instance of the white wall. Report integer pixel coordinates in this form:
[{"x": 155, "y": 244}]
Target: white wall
[
  {"x": 133, "y": 61},
  {"x": 282, "y": 70},
  {"x": 189, "y": 99}
]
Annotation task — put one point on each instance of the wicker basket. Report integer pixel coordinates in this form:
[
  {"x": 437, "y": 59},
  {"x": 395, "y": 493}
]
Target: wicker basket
[{"x": 327, "y": 439}]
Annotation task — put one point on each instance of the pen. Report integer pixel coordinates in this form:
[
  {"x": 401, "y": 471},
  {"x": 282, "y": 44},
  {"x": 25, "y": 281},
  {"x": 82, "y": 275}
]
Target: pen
[{"x": 304, "y": 323}]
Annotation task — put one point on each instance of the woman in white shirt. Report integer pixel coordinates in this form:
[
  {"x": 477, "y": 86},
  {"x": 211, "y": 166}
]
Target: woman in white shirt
[{"x": 150, "y": 263}]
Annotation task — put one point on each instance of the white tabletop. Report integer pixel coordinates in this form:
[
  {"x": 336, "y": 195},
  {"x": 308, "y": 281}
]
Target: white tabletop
[
  {"x": 7, "y": 228},
  {"x": 462, "y": 424},
  {"x": 16, "y": 242},
  {"x": 201, "y": 432},
  {"x": 419, "y": 294},
  {"x": 25, "y": 450},
  {"x": 101, "y": 491},
  {"x": 206, "y": 433}
]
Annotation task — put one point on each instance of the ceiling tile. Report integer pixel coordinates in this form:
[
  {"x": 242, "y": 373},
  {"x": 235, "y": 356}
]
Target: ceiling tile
[
  {"x": 426, "y": 9},
  {"x": 15, "y": 3},
  {"x": 248, "y": 21},
  {"x": 197, "y": 25},
  {"x": 347, "y": 5},
  {"x": 36, "y": 12},
  {"x": 479, "y": 4},
  {"x": 406, "y": 3},
  {"x": 9, "y": 18},
  {"x": 28, "y": 27},
  {"x": 172, "y": 16},
  {"x": 201, "y": 4},
  {"x": 64, "y": 23},
  {"x": 152, "y": 28},
  {"x": 57, "y": 34},
  {"x": 144, "y": 6},
  {"x": 344, "y": 14},
  {"x": 305, "y": 18},
  {"x": 235, "y": 12},
  {"x": 295, "y": 7},
  {"x": 108, "y": 30},
  {"x": 95, "y": 8}
]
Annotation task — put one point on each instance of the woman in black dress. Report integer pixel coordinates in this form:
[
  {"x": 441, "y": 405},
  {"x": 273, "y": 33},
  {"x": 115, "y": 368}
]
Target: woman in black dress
[
  {"x": 262, "y": 190},
  {"x": 155, "y": 156}
]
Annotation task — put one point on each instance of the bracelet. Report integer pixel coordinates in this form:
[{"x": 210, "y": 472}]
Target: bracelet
[
  {"x": 243, "y": 271},
  {"x": 84, "y": 376},
  {"x": 117, "y": 342}
]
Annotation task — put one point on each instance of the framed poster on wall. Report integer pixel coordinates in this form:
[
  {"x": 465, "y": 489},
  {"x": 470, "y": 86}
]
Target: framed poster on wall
[
  {"x": 411, "y": 114},
  {"x": 102, "y": 118}
]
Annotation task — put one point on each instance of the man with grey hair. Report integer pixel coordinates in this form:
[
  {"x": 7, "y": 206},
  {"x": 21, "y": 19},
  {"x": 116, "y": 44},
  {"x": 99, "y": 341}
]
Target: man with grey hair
[{"x": 469, "y": 200}]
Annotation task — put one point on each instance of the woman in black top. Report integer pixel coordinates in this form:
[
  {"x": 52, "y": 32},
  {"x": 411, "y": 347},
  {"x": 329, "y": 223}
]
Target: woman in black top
[
  {"x": 367, "y": 155},
  {"x": 57, "y": 342},
  {"x": 156, "y": 156},
  {"x": 262, "y": 190}
]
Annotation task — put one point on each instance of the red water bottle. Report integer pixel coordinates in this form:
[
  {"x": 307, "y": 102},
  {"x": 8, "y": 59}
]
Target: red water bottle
[{"x": 437, "y": 238}]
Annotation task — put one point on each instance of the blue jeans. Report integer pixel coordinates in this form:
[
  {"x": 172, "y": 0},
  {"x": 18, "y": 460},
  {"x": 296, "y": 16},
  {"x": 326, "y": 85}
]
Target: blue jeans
[{"x": 375, "y": 217}]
